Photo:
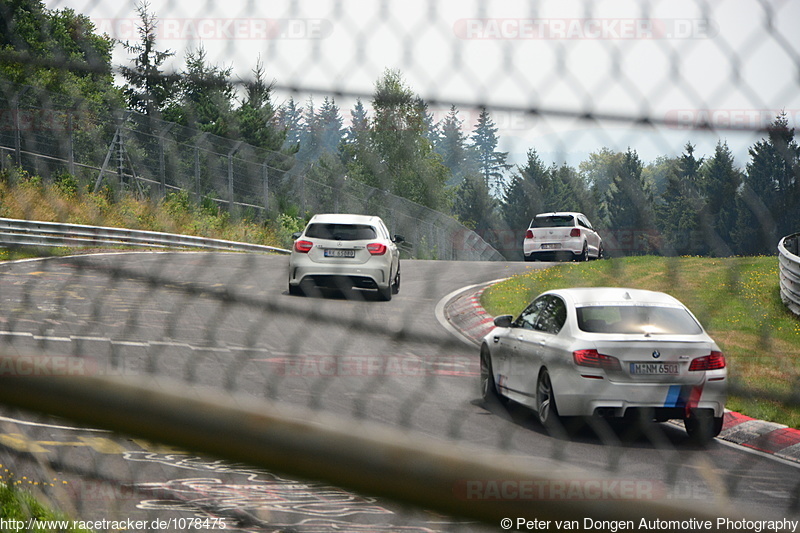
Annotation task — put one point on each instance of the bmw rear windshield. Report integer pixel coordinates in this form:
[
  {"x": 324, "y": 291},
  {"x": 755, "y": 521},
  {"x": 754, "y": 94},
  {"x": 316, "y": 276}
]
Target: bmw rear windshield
[
  {"x": 633, "y": 319},
  {"x": 553, "y": 221},
  {"x": 341, "y": 232}
]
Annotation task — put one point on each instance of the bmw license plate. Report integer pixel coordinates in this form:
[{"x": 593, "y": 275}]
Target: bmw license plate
[
  {"x": 649, "y": 369},
  {"x": 339, "y": 252},
  {"x": 551, "y": 246}
]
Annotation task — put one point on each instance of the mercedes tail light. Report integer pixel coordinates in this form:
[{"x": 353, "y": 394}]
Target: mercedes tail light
[
  {"x": 714, "y": 361},
  {"x": 594, "y": 359},
  {"x": 303, "y": 246},
  {"x": 376, "y": 248}
]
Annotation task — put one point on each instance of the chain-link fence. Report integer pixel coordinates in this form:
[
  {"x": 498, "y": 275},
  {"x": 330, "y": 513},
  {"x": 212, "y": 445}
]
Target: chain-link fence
[{"x": 180, "y": 391}]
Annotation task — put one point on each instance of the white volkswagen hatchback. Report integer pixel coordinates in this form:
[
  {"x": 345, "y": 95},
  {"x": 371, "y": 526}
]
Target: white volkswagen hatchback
[
  {"x": 344, "y": 251},
  {"x": 563, "y": 236},
  {"x": 610, "y": 352}
]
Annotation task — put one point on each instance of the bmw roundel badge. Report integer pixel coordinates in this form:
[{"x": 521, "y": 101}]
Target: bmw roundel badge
[{"x": 656, "y": 354}]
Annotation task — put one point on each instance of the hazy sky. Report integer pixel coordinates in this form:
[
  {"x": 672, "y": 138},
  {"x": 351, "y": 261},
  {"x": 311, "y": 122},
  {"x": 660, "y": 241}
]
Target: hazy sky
[{"x": 732, "y": 62}]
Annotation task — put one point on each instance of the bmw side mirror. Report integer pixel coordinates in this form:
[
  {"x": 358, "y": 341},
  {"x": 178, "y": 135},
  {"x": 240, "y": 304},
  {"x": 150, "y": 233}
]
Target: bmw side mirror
[
  {"x": 296, "y": 235},
  {"x": 503, "y": 321}
]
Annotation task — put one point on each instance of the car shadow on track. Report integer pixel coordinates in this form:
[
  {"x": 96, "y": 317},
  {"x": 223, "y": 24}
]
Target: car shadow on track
[
  {"x": 595, "y": 430},
  {"x": 351, "y": 294}
]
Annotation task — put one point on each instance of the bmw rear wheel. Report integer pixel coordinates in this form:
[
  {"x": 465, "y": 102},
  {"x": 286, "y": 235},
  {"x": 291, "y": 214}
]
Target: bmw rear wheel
[
  {"x": 702, "y": 426},
  {"x": 546, "y": 403},
  {"x": 488, "y": 386}
]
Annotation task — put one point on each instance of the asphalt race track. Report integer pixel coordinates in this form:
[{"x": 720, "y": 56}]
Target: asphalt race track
[{"x": 227, "y": 321}]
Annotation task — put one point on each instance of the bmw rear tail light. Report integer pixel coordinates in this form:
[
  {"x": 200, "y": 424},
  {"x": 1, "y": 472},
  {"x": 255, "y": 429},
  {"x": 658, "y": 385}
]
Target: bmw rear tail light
[
  {"x": 376, "y": 248},
  {"x": 303, "y": 246},
  {"x": 594, "y": 359},
  {"x": 576, "y": 232},
  {"x": 714, "y": 361},
  {"x": 529, "y": 234}
]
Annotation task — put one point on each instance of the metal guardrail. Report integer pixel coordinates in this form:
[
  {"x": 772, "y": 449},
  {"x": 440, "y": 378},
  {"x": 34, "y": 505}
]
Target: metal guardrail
[
  {"x": 789, "y": 257},
  {"x": 14, "y": 232}
]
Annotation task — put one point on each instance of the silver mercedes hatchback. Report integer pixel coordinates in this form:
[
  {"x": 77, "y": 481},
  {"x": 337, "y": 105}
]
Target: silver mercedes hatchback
[{"x": 344, "y": 251}]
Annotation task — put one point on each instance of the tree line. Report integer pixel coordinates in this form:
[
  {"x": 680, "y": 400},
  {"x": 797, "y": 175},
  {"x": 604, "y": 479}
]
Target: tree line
[{"x": 689, "y": 204}]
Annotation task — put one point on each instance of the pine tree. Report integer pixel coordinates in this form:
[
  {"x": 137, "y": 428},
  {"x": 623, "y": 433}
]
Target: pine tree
[
  {"x": 308, "y": 150},
  {"x": 290, "y": 120},
  {"x": 492, "y": 163},
  {"x": 524, "y": 196},
  {"x": 452, "y": 146},
  {"x": 256, "y": 116},
  {"x": 148, "y": 90},
  {"x": 630, "y": 203},
  {"x": 720, "y": 184},
  {"x": 359, "y": 123},
  {"x": 409, "y": 167},
  {"x": 769, "y": 199},
  {"x": 205, "y": 96},
  {"x": 773, "y": 174},
  {"x": 329, "y": 126},
  {"x": 658, "y": 172},
  {"x": 431, "y": 127},
  {"x": 568, "y": 191},
  {"x": 473, "y": 205},
  {"x": 598, "y": 174},
  {"x": 681, "y": 215},
  {"x": 362, "y": 162},
  {"x": 321, "y": 130}
]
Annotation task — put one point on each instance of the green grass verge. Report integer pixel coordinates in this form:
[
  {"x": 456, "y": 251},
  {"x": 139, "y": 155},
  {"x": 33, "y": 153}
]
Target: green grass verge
[
  {"x": 28, "y": 252},
  {"x": 20, "y": 505},
  {"x": 737, "y": 300}
]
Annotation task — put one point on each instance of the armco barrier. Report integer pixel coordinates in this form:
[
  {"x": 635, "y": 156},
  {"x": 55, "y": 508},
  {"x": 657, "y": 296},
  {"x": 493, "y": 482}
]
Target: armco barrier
[
  {"x": 15, "y": 232},
  {"x": 790, "y": 271}
]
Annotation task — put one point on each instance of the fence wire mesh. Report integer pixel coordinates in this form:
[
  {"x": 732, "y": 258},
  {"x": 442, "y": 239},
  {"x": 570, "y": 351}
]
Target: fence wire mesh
[{"x": 669, "y": 124}]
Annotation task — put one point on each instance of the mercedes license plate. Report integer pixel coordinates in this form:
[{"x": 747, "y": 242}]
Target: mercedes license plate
[{"x": 339, "y": 252}]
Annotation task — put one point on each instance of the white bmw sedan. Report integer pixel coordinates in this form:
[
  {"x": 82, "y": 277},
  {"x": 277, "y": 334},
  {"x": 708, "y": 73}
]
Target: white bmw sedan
[
  {"x": 611, "y": 353},
  {"x": 344, "y": 251}
]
